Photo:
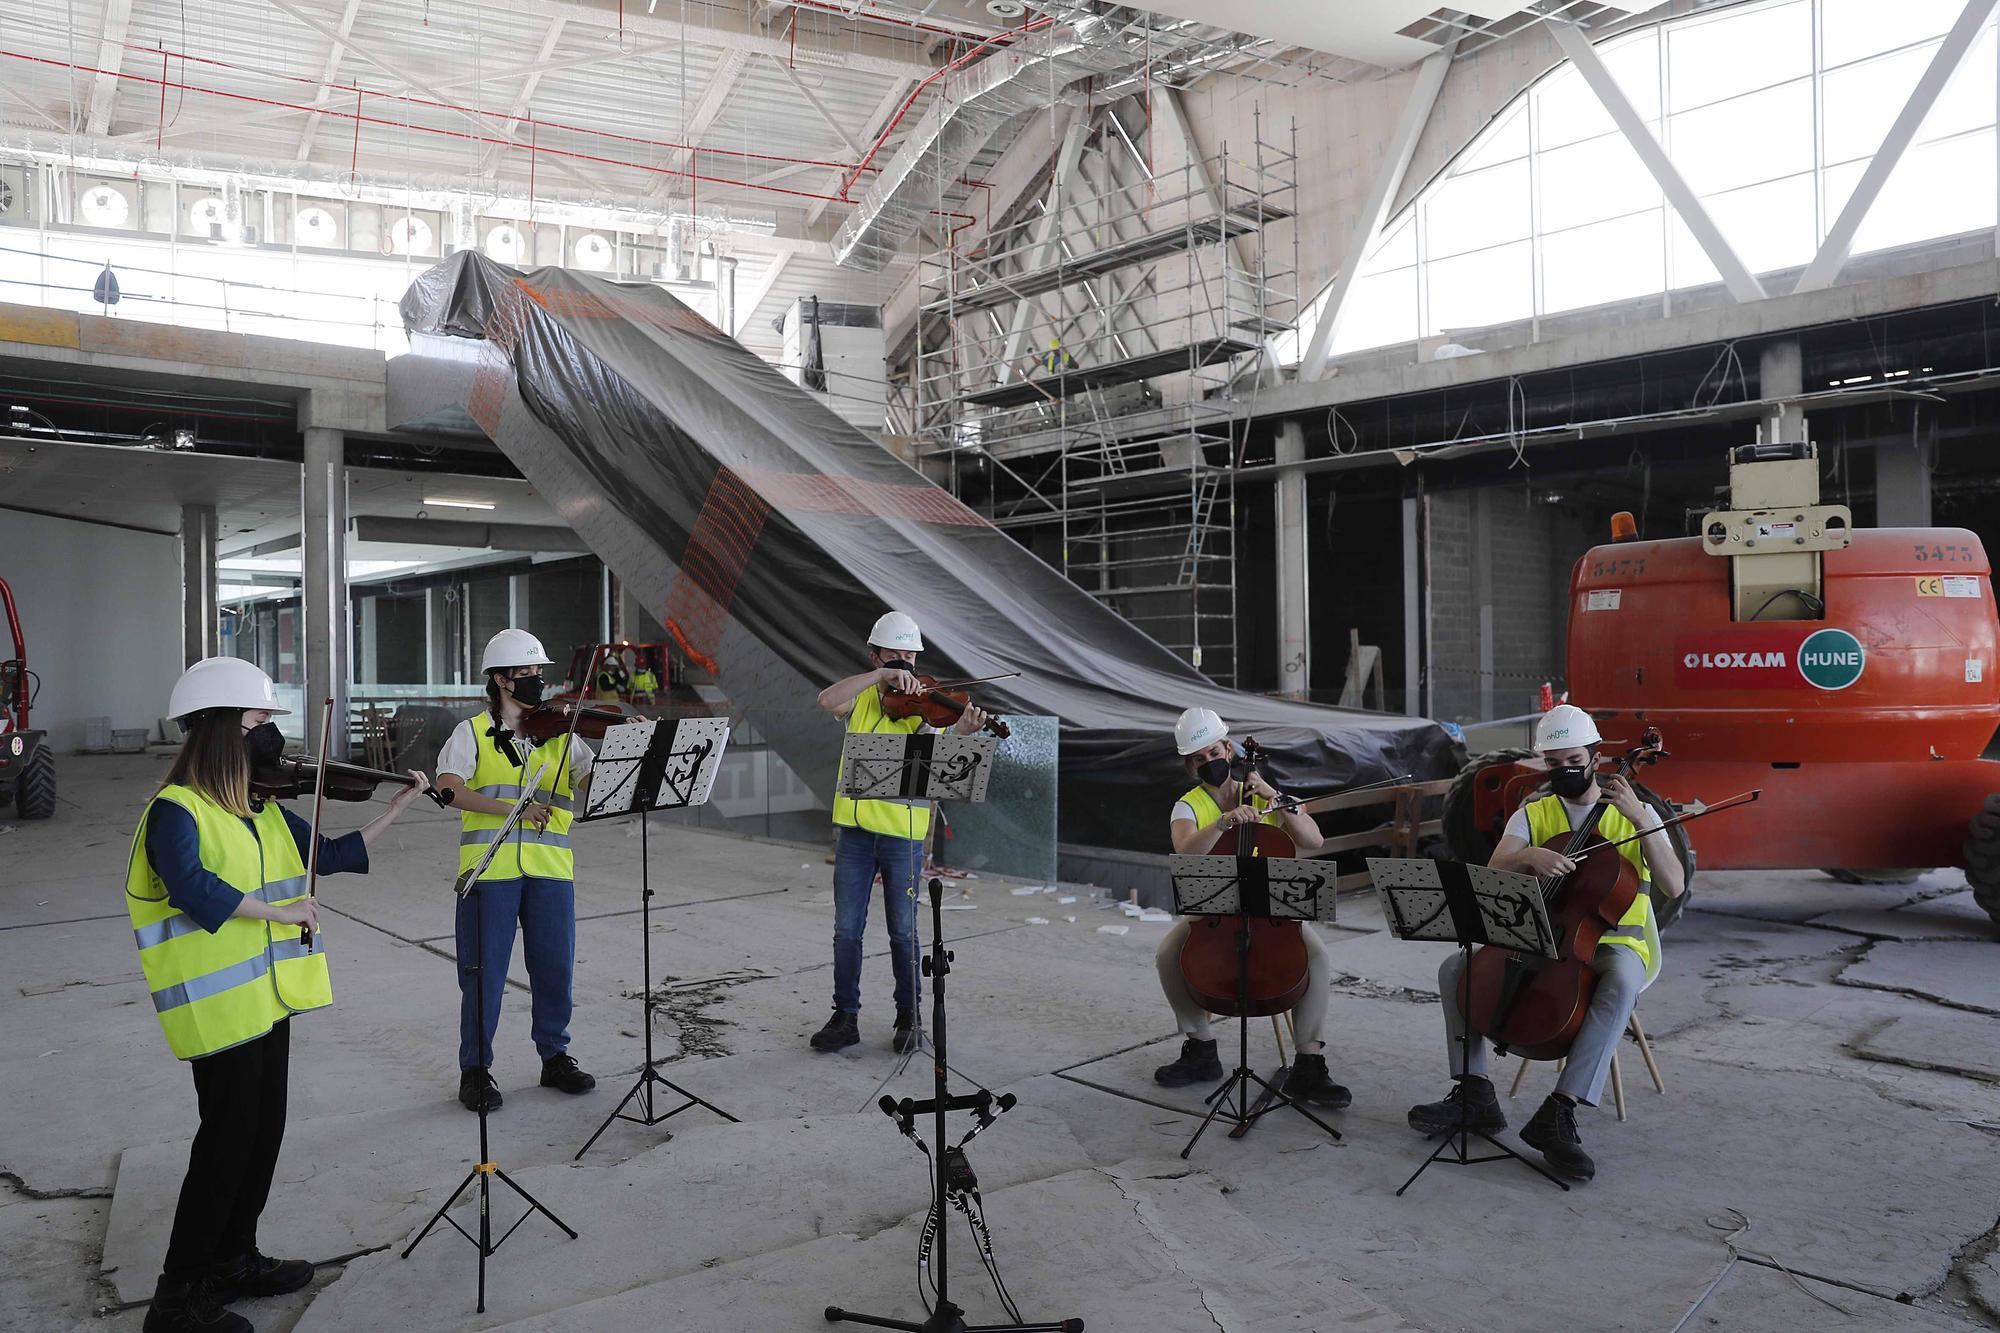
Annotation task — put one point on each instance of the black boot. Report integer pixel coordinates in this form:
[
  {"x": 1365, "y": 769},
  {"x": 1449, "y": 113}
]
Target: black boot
[
  {"x": 255, "y": 1275},
  {"x": 561, "y": 1073},
  {"x": 1472, "y": 1098},
  {"x": 476, "y": 1086},
  {"x": 1309, "y": 1082},
  {"x": 191, "y": 1307},
  {"x": 1196, "y": 1065},
  {"x": 906, "y": 1031},
  {"x": 1552, "y": 1133},
  {"x": 840, "y": 1031}
]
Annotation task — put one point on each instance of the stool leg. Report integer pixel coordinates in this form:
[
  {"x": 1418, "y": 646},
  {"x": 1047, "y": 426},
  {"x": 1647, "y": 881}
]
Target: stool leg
[
  {"x": 1278, "y": 1035},
  {"x": 1617, "y": 1087},
  {"x": 1519, "y": 1075},
  {"x": 1646, "y": 1053}
]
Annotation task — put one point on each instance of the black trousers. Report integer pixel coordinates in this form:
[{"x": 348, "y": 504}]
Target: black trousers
[{"x": 242, "y": 1095}]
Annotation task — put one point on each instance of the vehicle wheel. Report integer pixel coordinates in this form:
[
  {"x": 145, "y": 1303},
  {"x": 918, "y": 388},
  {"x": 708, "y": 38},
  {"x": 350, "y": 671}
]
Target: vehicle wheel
[
  {"x": 1467, "y": 841},
  {"x": 35, "y": 797},
  {"x": 1982, "y": 859},
  {"x": 1874, "y": 876},
  {"x": 1667, "y": 910}
]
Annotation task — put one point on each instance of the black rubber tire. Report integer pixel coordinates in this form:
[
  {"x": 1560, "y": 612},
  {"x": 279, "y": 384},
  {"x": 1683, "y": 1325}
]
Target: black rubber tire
[
  {"x": 1982, "y": 859},
  {"x": 1470, "y": 844},
  {"x": 1666, "y": 911},
  {"x": 35, "y": 797},
  {"x": 1846, "y": 876}
]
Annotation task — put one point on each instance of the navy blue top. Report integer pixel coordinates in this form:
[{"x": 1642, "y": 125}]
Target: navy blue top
[{"x": 174, "y": 848}]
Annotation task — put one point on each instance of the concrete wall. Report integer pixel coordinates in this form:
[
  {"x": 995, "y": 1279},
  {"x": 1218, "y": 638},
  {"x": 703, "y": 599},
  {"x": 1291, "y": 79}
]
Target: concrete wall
[{"x": 101, "y": 608}]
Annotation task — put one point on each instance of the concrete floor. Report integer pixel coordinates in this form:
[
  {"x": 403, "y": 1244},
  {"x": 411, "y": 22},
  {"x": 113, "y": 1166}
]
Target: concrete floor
[{"x": 1829, "y": 1139}]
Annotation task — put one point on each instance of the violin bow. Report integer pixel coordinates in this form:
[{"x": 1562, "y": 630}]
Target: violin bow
[
  {"x": 1740, "y": 798},
  {"x": 1290, "y": 804},
  {"x": 976, "y": 680},
  {"x": 319, "y": 805}
]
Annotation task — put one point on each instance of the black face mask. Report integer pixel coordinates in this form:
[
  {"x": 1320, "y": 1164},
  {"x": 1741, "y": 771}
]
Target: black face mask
[
  {"x": 527, "y": 690},
  {"x": 901, "y": 664},
  {"x": 265, "y": 744},
  {"x": 1571, "y": 782},
  {"x": 1214, "y": 772}
]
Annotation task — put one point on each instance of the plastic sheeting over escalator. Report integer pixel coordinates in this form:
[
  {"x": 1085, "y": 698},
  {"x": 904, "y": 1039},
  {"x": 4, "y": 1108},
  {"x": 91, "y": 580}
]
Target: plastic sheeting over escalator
[{"x": 770, "y": 533}]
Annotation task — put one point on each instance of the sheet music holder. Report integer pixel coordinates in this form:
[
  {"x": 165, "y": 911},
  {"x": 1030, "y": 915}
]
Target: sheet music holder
[
  {"x": 1277, "y": 888},
  {"x": 1451, "y": 902},
  {"x": 916, "y": 766},
  {"x": 641, "y": 766}
]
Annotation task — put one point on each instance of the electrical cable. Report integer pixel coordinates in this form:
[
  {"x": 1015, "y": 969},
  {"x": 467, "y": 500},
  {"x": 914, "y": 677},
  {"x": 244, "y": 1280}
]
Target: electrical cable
[{"x": 1813, "y": 604}]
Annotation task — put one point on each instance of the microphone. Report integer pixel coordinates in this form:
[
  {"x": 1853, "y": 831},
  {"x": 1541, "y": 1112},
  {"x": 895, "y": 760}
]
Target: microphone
[
  {"x": 888, "y": 1105},
  {"x": 937, "y": 890},
  {"x": 1006, "y": 1102}
]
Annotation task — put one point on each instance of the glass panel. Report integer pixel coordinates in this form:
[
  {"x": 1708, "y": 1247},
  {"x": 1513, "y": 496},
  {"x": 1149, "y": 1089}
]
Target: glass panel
[
  {"x": 1967, "y": 102},
  {"x": 1607, "y": 261},
  {"x": 1769, "y": 225},
  {"x": 1487, "y": 287},
  {"x": 1397, "y": 248},
  {"x": 1737, "y": 52},
  {"x": 1852, "y": 29},
  {"x": 1381, "y": 310},
  {"x": 1502, "y": 141},
  {"x": 1013, "y": 831},
  {"x": 1938, "y": 189},
  {"x": 1860, "y": 102},
  {"x": 1476, "y": 210},
  {"x": 1590, "y": 181},
  {"x": 1753, "y": 138},
  {"x": 1567, "y": 110}
]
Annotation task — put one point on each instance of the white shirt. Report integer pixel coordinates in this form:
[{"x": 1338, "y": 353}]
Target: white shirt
[{"x": 460, "y": 754}]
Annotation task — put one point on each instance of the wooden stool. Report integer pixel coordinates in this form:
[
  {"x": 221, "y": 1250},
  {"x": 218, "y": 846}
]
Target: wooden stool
[{"x": 1638, "y": 1034}]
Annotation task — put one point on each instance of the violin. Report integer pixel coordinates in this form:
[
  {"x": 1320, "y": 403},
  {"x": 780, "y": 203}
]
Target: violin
[
  {"x": 941, "y": 705},
  {"x": 1273, "y": 979},
  {"x": 563, "y": 717},
  {"x": 297, "y": 775},
  {"x": 1536, "y": 1006}
]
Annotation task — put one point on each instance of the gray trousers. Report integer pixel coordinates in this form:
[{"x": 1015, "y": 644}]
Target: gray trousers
[
  {"x": 1308, "y": 1016},
  {"x": 1621, "y": 975}
]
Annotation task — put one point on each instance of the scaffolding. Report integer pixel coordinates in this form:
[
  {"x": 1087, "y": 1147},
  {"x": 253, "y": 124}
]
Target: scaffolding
[{"x": 1084, "y": 376}]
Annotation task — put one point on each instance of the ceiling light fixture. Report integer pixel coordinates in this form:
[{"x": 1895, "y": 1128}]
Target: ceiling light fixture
[{"x": 458, "y": 504}]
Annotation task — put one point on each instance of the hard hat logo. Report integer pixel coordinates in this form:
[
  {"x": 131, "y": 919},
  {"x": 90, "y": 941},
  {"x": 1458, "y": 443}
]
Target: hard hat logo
[{"x": 1831, "y": 659}]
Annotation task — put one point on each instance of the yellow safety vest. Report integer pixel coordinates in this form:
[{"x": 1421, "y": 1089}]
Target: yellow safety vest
[
  {"x": 645, "y": 682},
  {"x": 1206, "y": 812},
  {"x": 896, "y": 819},
  {"x": 1636, "y": 930},
  {"x": 544, "y": 853},
  {"x": 214, "y": 990}
]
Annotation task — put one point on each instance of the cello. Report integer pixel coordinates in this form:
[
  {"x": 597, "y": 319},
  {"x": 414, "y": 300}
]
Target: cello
[{"x": 1275, "y": 977}]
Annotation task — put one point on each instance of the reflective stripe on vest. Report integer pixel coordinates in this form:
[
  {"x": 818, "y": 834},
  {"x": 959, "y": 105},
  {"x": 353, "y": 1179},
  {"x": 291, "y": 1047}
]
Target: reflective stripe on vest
[
  {"x": 893, "y": 818},
  {"x": 1206, "y": 811},
  {"x": 543, "y": 854},
  {"x": 1549, "y": 818},
  {"x": 217, "y": 989}
]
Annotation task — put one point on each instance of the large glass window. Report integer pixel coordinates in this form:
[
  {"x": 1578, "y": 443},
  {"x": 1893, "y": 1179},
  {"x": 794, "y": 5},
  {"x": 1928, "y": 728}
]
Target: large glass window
[{"x": 1771, "y": 112}]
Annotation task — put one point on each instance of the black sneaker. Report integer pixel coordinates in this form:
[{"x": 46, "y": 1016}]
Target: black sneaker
[
  {"x": 906, "y": 1031},
  {"x": 840, "y": 1031},
  {"x": 477, "y": 1090},
  {"x": 561, "y": 1072},
  {"x": 191, "y": 1307},
  {"x": 1197, "y": 1064},
  {"x": 256, "y": 1275},
  {"x": 1309, "y": 1082},
  {"x": 1552, "y": 1133},
  {"x": 1471, "y": 1096}
]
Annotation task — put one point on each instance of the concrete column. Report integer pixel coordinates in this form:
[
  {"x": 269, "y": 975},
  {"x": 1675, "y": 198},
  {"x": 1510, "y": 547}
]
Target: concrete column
[
  {"x": 1413, "y": 609},
  {"x": 1781, "y": 374},
  {"x": 1902, "y": 485},
  {"x": 1482, "y": 592},
  {"x": 201, "y": 629},
  {"x": 367, "y": 662},
  {"x": 1294, "y": 645},
  {"x": 324, "y": 593}
]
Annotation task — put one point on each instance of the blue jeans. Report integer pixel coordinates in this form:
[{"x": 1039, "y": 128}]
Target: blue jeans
[
  {"x": 856, "y": 858},
  {"x": 546, "y": 911}
]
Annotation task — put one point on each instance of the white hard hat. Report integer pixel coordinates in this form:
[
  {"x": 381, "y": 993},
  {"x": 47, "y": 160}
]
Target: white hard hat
[
  {"x": 1197, "y": 729},
  {"x": 222, "y": 682},
  {"x": 896, "y": 630},
  {"x": 512, "y": 648},
  {"x": 1564, "y": 727}
]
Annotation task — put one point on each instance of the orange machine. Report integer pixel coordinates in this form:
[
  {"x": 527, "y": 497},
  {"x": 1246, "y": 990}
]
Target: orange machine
[{"x": 1853, "y": 675}]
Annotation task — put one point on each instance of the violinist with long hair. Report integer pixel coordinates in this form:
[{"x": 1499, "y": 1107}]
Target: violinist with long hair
[
  {"x": 532, "y": 881},
  {"x": 217, "y": 891},
  {"x": 1205, "y": 817},
  {"x": 1626, "y": 961}
]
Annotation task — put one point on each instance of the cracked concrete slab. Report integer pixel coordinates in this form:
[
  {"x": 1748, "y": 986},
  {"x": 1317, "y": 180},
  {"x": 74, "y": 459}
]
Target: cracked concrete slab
[
  {"x": 1962, "y": 974},
  {"x": 1751, "y": 1296},
  {"x": 1800, "y": 895},
  {"x": 1955, "y": 1043},
  {"x": 1951, "y": 916}
]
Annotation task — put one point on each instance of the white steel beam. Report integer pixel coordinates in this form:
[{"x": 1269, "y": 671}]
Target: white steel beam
[
  {"x": 1042, "y": 249},
  {"x": 1736, "y": 276},
  {"x": 117, "y": 19},
  {"x": 878, "y": 121},
  {"x": 716, "y": 26},
  {"x": 747, "y": 310},
  {"x": 1832, "y": 256},
  {"x": 327, "y": 74},
  {"x": 714, "y": 98},
  {"x": 812, "y": 100},
  {"x": 523, "y": 99},
  {"x": 1395, "y": 162}
]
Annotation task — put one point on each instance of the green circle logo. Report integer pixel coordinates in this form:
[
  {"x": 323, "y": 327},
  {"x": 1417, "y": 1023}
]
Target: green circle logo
[{"x": 1831, "y": 659}]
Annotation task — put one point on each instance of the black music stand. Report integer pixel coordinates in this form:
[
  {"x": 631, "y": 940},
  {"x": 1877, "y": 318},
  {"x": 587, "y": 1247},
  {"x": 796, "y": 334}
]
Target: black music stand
[
  {"x": 485, "y": 1168},
  {"x": 919, "y": 767},
  {"x": 955, "y": 1186},
  {"x": 1450, "y": 902},
  {"x": 1241, "y": 887},
  {"x": 644, "y": 766}
]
